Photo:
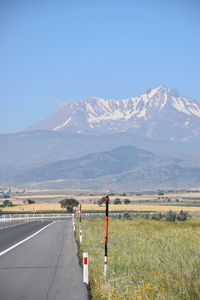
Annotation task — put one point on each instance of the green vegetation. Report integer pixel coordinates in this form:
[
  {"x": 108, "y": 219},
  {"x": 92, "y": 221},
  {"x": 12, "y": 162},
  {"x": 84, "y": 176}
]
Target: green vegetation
[
  {"x": 117, "y": 201},
  {"x": 101, "y": 201},
  {"x": 69, "y": 204},
  {"x": 7, "y": 203},
  {"x": 30, "y": 201},
  {"x": 147, "y": 259},
  {"x": 127, "y": 201}
]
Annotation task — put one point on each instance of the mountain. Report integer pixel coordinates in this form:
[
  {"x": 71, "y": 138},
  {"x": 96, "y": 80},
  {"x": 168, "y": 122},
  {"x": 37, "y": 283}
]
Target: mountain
[
  {"x": 161, "y": 113},
  {"x": 122, "y": 168},
  {"x": 73, "y": 147},
  {"x": 27, "y": 150}
]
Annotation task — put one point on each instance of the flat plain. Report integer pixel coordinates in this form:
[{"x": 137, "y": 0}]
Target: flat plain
[{"x": 48, "y": 200}]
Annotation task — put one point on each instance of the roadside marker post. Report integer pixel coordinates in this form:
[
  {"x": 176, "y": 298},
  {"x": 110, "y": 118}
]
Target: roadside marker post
[
  {"x": 73, "y": 222},
  {"x": 106, "y": 235},
  {"x": 81, "y": 236},
  {"x": 85, "y": 267},
  {"x": 81, "y": 232}
]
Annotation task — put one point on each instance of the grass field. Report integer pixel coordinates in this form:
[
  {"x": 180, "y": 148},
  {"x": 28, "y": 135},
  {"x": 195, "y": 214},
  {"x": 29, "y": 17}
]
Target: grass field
[
  {"x": 147, "y": 259},
  {"x": 95, "y": 207},
  {"x": 56, "y": 196}
]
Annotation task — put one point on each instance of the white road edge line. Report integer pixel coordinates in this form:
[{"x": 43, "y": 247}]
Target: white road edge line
[{"x": 26, "y": 239}]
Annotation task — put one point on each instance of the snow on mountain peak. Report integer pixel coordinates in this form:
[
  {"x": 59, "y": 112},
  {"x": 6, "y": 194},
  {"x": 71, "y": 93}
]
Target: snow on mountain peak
[{"x": 156, "y": 111}]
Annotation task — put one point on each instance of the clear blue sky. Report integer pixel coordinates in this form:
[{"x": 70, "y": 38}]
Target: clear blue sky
[{"x": 62, "y": 50}]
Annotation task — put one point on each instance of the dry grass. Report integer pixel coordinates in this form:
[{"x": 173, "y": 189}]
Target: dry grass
[
  {"x": 39, "y": 196},
  {"x": 140, "y": 207},
  {"x": 147, "y": 259},
  {"x": 55, "y": 196},
  {"x": 95, "y": 207},
  {"x": 35, "y": 206}
]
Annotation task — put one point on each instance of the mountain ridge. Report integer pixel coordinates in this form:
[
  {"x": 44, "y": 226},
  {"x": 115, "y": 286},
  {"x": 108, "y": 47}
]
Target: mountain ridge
[
  {"x": 160, "y": 109},
  {"x": 125, "y": 167}
]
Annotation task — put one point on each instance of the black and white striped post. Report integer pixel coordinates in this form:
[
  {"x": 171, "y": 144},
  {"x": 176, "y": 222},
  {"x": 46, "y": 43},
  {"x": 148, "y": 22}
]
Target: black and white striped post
[{"x": 106, "y": 235}]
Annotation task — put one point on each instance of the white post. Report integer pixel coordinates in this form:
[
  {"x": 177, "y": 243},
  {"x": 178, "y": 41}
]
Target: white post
[
  {"x": 105, "y": 265},
  {"x": 81, "y": 236},
  {"x": 73, "y": 223},
  {"x": 85, "y": 267}
]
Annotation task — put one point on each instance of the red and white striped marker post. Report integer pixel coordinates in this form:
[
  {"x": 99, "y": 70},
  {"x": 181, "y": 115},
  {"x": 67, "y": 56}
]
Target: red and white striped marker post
[
  {"x": 74, "y": 226},
  {"x": 85, "y": 267},
  {"x": 106, "y": 235},
  {"x": 81, "y": 236},
  {"x": 73, "y": 222}
]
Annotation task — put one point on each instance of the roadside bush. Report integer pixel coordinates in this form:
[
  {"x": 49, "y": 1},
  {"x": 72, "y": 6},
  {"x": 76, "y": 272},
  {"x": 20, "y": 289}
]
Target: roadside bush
[
  {"x": 157, "y": 217},
  {"x": 126, "y": 216},
  {"x": 182, "y": 216},
  {"x": 173, "y": 216},
  {"x": 147, "y": 216}
]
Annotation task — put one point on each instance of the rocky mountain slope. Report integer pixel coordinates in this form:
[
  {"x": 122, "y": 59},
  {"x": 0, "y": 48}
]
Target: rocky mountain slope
[
  {"x": 122, "y": 168},
  {"x": 160, "y": 113},
  {"x": 162, "y": 122}
]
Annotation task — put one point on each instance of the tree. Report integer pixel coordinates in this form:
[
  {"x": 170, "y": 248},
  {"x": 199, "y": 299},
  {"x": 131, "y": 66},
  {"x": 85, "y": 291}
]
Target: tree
[
  {"x": 101, "y": 201},
  {"x": 117, "y": 201},
  {"x": 127, "y": 201},
  {"x": 69, "y": 204},
  {"x": 30, "y": 201},
  {"x": 7, "y": 203},
  {"x": 182, "y": 216},
  {"x": 160, "y": 193}
]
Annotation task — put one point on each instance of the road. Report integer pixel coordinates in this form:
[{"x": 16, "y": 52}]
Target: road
[{"x": 44, "y": 267}]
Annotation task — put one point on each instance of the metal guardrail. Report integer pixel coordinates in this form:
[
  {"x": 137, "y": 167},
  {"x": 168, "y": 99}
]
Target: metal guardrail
[
  {"x": 5, "y": 218},
  {"x": 120, "y": 215}
]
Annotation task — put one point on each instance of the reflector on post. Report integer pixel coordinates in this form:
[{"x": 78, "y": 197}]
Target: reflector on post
[{"x": 85, "y": 267}]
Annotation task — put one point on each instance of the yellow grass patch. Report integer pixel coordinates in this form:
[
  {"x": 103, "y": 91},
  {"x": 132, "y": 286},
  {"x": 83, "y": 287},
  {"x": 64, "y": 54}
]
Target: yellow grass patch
[
  {"x": 140, "y": 207},
  {"x": 95, "y": 207},
  {"x": 35, "y": 206}
]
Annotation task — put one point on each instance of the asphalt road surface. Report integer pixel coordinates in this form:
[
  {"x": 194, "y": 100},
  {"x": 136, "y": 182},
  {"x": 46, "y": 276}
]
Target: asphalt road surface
[{"x": 44, "y": 267}]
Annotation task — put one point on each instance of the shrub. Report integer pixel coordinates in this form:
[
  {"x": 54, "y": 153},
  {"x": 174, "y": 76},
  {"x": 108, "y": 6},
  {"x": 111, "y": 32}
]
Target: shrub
[
  {"x": 157, "y": 217},
  {"x": 7, "y": 203},
  {"x": 160, "y": 193},
  {"x": 123, "y": 194},
  {"x": 127, "y": 201},
  {"x": 30, "y": 201},
  {"x": 126, "y": 216},
  {"x": 171, "y": 216},
  {"x": 101, "y": 201},
  {"x": 117, "y": 201},
  {"x": 182, "y": 216}
]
